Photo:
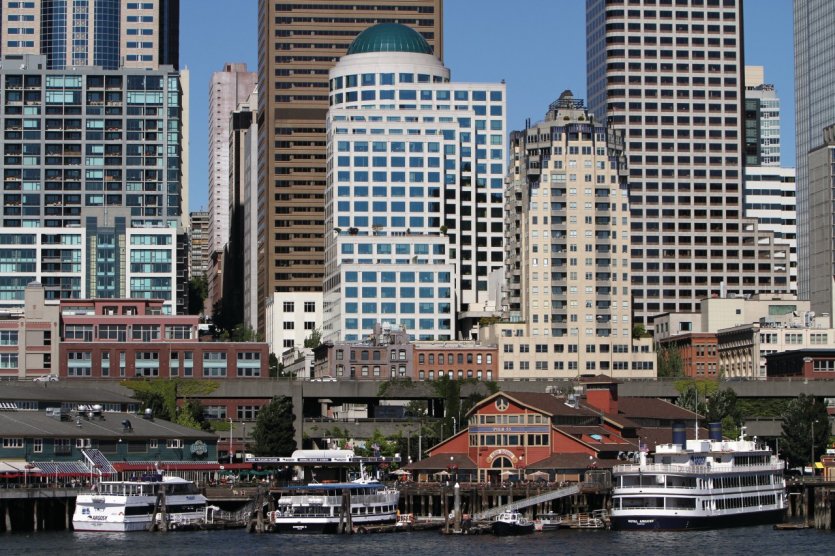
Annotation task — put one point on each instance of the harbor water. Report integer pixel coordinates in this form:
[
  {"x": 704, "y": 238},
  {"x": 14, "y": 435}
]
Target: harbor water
[{"x": 761, "y": 541}]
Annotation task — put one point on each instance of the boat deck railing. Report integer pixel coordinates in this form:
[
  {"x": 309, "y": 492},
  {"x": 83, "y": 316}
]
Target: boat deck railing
[{"x": 695, "y": 469}]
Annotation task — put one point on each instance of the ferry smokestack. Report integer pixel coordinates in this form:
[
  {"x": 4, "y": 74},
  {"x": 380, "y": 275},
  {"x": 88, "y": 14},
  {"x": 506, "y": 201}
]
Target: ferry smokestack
[
  {"x": 715, "y": 431},
  {"x": 679, "y": 434}
]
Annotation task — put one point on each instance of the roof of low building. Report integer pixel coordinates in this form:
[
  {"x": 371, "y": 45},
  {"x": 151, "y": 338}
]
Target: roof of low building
[
  {"x": 548, "y": 403},
  {"x": 389, "y": 37},
  {"x": 573, "y": 462},
  {"x": 65, "y": 391},
  {"x": 652, "y": 408},
  {"x": 442, "y": 461},
  {"x": 596, "y": 437},
  {"x": 37, "y": 424}
]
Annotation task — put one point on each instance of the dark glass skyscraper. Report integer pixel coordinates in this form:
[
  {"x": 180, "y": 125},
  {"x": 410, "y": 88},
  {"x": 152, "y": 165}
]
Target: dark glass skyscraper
[{"x": 105, "y": 33}]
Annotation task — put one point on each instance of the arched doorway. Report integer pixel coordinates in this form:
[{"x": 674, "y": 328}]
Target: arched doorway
[{"x": 499, "y": 466}]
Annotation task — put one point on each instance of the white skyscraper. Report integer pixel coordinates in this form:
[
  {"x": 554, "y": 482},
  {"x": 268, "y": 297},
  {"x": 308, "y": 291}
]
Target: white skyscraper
[{"x": 420, "y": 161}]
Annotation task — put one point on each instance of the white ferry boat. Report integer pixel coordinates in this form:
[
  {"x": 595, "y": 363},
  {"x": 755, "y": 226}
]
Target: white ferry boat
[
  {"x": 119, "y": 506},
  {"x": 700, "y": 484},
  {"x": 317, "y": 508}
]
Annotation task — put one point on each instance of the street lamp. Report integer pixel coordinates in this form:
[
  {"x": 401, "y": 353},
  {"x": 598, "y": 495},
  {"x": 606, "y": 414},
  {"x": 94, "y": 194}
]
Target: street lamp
[
  {"x": 230, "y": 438},
  {"x": 812, "y": 448}
]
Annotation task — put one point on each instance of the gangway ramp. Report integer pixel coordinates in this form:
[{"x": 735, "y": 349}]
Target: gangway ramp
[{"x": 526, "y": 502}]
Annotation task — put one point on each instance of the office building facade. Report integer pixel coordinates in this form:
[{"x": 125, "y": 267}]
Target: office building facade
[
  {"x": 821, "y": 219},
  {"x": 771, "y": 197},
  {"x": 762, "y": 120},
  {"x": 418, "y": 160},
  {"x": 298, "y": 44},
  {"x": 814, "y": 81},
  {"x": 240, "y": 286},
  {"x": 671, "y": 76},
  {"x": 107, "y": 33}
]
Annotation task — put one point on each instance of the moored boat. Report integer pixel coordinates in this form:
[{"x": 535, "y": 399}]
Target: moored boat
[
  {"x": 122, "y": 506},
  {"x": 320, "y": 508},
  {"x": 512, "y": 523},
  {"x": 700, "y": 484}
]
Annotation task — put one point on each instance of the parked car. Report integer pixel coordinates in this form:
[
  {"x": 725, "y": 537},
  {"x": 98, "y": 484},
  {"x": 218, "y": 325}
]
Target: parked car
[{"x": 46, "y": 378}]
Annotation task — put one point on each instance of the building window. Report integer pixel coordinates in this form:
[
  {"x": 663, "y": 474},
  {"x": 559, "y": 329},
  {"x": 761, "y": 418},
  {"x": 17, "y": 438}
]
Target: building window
[
  {"x": 13, "y": 443},
  {"x": 289, "y": 325},
  {"x": 248, "y": 412},
  {"x": 37, "y": 445},
  {"x": 309, "y": 306},
  {"x": 145, "y": 332},
  {"x": 8, "y": 361},
  {"x": 8, "y": 337},
  {"x": 173, "y": 443},
  {"x": 153, "y": 444},
  {"x": 178, "y": 332},
  {"x": 289, "y": 307}
]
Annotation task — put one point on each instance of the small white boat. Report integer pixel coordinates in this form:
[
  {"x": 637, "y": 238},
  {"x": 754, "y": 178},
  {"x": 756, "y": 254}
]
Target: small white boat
[{"x": 121, "y": 506}]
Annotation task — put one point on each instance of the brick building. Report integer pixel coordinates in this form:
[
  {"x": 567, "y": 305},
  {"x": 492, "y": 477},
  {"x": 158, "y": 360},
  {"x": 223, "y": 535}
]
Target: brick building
[
  {"x": 128, "y": 338},
  {"x": 388, "y": 353}
]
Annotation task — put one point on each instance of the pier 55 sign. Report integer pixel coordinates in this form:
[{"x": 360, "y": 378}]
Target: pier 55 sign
[{"x": 199, "y": 448}]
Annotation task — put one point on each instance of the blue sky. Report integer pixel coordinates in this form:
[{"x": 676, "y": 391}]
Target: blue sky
[{"x": 538, "y": 48}]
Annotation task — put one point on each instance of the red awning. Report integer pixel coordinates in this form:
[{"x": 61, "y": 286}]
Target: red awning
[{"x": 179, "y": 466}]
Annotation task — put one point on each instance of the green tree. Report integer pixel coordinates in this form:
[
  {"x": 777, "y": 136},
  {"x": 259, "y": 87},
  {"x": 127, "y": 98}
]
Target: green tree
[
  {"x": 198, "y": 291},
  {"x": 191, "y": 415},
  {"x": 242, "y": 332},
  {"x": 274, "y": 434},
  {"x": 804, "y": 415},
  {"x": 721, "y": 407},
  {"x": 638, "y": 331},
  {"x": 274, "y": 367},
  {"x": 156, "y": 402},
  {"x": 314, "y": 340},
  {"x": 670, "y": 361}
]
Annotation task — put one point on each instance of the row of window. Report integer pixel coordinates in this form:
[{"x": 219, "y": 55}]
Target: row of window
[
  {"x": 423, "y": 358},
  {"x": 62, "y": 446},
  {"x": 509, "y": 440}
]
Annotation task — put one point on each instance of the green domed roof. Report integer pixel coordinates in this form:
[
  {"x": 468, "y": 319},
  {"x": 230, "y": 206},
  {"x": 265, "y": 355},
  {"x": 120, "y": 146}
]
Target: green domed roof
[{"x": 389, "y": 37}]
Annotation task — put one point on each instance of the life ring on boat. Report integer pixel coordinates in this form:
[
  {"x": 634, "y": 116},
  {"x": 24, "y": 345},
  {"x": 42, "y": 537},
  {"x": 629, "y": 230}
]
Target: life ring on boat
[{"x": 121, "y": 513}]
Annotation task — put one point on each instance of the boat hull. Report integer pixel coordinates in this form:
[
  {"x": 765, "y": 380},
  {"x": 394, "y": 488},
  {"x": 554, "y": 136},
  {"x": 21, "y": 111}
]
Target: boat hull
[
  {"x": 682, "y": 523},
  {"x": 327, "y": 526},
  {"x": 503, "y": 529},
  {"x": 110, "y": 526}
]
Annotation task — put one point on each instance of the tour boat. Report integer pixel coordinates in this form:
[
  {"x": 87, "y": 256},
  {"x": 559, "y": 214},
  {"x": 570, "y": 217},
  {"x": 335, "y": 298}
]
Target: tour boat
[
  {"x": 120, "y": 506},
  {"x": 321, "y": 507},
  {"x": 512, "y": 523},
  {"x": 700, "y": 484}
]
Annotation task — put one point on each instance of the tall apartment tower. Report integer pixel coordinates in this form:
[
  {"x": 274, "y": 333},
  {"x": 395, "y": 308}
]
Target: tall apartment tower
[
  {"x": 227, "y": 89},
  {"x": 93, "y": 183},
  {"x": 671, "y": 75},
  {"x": 297, "y": 45},
  {"x": 814, "y": 81},
  {"x": 762, "y": 120},
  {"x": 567, "y": 251},
  {"x": 105, "y": 33}
]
